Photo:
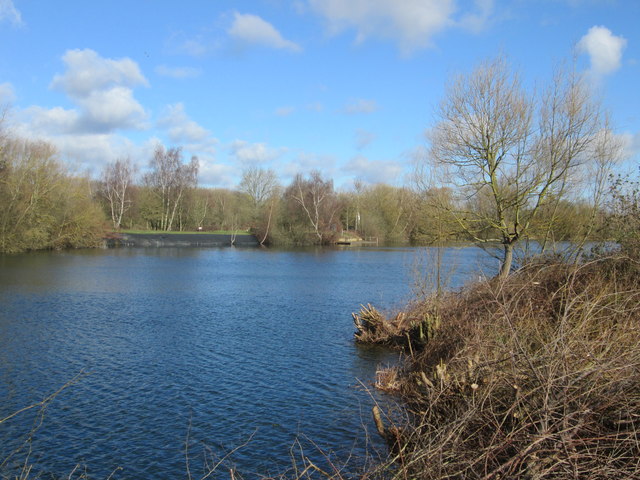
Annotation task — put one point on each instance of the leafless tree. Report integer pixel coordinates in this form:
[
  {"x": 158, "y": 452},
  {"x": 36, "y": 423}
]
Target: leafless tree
[
  {"x": 259, "y": 184},
  {"x": 117, "y": 177},
  {"x": 4, "y": 138},
  {"x": 318, "y": 200},
  {"x": 169, "y": 179},
  {"x": 262, "y": 187},
  {"x": 508, "y": 152}
]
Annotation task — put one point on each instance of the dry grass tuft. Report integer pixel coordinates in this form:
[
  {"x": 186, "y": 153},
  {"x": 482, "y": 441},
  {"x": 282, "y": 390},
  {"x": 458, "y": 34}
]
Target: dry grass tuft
[{"x": 388, "y": 379}]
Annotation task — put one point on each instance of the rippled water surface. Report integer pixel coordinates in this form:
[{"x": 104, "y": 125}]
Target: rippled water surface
[{"x": 206, "y": 347}]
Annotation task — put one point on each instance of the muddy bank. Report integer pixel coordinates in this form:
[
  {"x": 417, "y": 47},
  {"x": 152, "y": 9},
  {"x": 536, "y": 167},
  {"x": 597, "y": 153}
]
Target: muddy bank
[{"x": 181, "y": 240}]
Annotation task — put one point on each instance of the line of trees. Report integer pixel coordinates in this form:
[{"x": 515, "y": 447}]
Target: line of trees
[
  {"x": 311, "y": 211},
  {"x": 47, "y": 206}
]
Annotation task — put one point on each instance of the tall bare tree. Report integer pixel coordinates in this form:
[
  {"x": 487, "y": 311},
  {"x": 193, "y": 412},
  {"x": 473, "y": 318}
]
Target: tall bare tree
[
  {"x": 508, "y": 152},
  {"x": 117, "y": 177},
  {"x": 318, "y": 200},
  {"x": 259, "y": 184},
  {"x": 262, "y": 188},
  {"x": 169, "y": 179}
]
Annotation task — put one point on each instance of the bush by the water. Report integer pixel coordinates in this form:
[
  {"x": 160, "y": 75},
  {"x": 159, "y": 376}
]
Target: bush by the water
[{"x": 536, "y": 377}]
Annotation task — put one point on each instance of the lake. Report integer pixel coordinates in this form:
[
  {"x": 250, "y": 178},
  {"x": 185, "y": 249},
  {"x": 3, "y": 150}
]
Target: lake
[{"x": 211, "y": 348}]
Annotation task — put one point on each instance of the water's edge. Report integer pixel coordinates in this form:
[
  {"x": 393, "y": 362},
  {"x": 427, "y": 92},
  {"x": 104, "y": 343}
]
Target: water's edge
[{"x": 181, "y": 240}]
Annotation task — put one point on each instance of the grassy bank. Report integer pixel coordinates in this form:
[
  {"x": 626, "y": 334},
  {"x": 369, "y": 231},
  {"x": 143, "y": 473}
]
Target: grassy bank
[{"x": 537, "y": 377}]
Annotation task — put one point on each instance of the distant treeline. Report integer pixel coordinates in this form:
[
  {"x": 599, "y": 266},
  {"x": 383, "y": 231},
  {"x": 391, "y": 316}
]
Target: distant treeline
[{"x": 46, "y": 206}]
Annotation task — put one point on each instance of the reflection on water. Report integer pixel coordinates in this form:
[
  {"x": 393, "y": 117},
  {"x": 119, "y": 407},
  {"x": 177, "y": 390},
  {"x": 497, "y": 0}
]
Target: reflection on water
[{"x": 211, "y": 344}]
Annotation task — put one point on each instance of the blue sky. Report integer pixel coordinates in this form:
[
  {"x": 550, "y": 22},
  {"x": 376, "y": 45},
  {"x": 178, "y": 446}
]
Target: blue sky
[{"x": 345, "y": 86}]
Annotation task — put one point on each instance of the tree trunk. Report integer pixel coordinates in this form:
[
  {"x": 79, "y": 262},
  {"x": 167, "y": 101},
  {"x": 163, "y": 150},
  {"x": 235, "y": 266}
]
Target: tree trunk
[{"x": 505, "y": 267}]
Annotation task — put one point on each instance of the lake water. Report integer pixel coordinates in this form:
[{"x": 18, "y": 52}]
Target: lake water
[{"x": 212, "y": 348}]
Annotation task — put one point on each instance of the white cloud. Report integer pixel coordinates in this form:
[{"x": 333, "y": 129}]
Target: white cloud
[
  {"x": 101, "y": 91},
  {"x": 7, "y": 93},
  {"x": 180, "y": 127},
  {"x": 87, "y": 152},
  {"x": 177, "y": 72},
  {"x": 115, "y": 108},
  {"x": 604, "y": 50},
  {"x": 250, "y": 29},
  {"x": 374, "y": 171},
  {"x": 360, "y": 105},
  {"x": 212, "y": 174},
  {"x": 182, "y": 130},
  {"x": 102, "y": 88},
  {"x": 631, "y": 146},
  {"x": 87, "y": 72},
  {"x": 10, "y": 13},
  {"x": 411, "y": 23},
  {"x": 247, "y": 153},
  {"x": 93, "y": 151},
  {"x": 51, "y": 121}
]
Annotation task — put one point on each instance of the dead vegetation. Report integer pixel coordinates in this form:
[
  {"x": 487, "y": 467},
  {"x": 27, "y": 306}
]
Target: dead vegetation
[
  {"x": 405, "y": 330},
  {"x": 537, "y": 377}
]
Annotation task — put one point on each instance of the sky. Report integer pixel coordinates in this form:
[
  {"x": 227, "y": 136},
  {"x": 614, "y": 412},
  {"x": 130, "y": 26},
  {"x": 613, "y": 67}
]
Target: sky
[{"x": 348, "y": 87}]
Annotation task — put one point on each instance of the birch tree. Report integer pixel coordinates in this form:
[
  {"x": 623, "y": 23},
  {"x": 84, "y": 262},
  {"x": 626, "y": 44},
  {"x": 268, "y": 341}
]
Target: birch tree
[
  {"x": 317, "y": 199},
  {"x": 117, "y": 177},
  {"x": 169, "y": 179}
]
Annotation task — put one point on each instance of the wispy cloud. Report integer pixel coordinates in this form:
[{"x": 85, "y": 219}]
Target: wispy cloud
[
  {"x": 477, "y": 21},
  {"x": 631, "y": 147},
  {"x": 315, "y": 107},
  {"x": 360, "y": 106},
  {"x": 193, "y": 45},
  {"x": 251, "y": 30},
  {"x": 9, "y": 13},
  {"x": 246, "y": 153},
  {"x": 305, "y": 162},
  {"x": 364, "y": 138},
  {"x": 7, "y": 93},
  {"x": 177, "y": 72},
  {"x": 285, "y": 111},
  {"x": 180, "y": 128},
  {"x": 374, "y": 171}
]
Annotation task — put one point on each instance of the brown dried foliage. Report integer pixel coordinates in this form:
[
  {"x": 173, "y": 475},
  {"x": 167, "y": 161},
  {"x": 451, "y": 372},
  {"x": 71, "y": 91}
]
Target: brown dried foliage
[{"x": 537, "y": 377}]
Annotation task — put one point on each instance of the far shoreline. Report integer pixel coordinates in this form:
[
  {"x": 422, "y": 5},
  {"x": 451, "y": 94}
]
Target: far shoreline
[{"x": 181, "y": 239}]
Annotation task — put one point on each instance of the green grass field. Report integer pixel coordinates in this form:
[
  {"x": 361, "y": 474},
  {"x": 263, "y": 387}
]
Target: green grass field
[{"x": 214, "y": 232}]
